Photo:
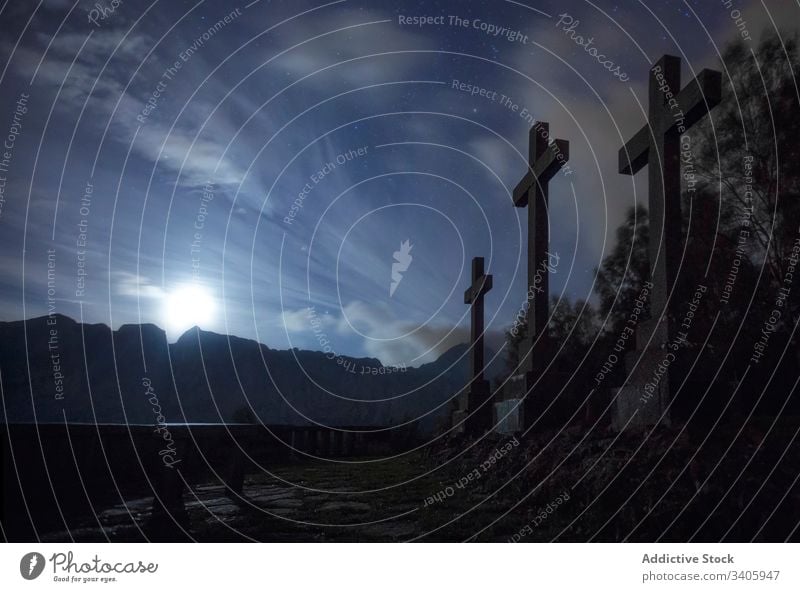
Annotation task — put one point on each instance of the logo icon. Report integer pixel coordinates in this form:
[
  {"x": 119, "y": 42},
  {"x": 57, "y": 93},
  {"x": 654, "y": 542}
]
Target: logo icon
[
  {"x": 31, "y": 565},
  {"x": 402, "y": 259}
]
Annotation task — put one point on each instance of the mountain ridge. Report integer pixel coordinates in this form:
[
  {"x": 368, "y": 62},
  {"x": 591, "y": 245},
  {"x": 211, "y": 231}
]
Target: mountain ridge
[{"x": 207, "y": 377}]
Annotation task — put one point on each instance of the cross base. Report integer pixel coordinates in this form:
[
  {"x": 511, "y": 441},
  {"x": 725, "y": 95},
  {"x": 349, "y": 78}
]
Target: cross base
[
  {"x": 474, "y": 414},
  {"x": 643, "y": 400},
  {"x": 542, "y": 389}
]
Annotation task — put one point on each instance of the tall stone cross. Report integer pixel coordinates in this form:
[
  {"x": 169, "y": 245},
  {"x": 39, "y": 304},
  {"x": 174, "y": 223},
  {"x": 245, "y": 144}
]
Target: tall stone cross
[
  {"x": 544, "y": 161},
  {"x": 481, "y": 284},
  {"x": 671, "y": 113},
  {"x": 476, "y": 411}
]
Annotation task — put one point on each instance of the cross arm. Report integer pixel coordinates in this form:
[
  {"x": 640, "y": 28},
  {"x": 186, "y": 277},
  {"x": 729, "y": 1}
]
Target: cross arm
[
  {"x": 479, "y": 288},
  {"x": 520, "y": 194},
  {"x": 556, "y": 156},
  {"x": 633, "y": 155},
  {"x": 700, "y": 96}
]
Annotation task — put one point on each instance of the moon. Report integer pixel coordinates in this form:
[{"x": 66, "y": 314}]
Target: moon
[{"x": 187, "y": 306}]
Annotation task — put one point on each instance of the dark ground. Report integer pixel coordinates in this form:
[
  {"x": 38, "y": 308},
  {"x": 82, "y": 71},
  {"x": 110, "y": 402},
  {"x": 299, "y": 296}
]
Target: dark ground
[{"x": 740, "y": 485}]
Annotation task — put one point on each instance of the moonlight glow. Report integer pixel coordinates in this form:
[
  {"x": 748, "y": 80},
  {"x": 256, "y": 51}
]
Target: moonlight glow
[{"x": 187, "y": 306}]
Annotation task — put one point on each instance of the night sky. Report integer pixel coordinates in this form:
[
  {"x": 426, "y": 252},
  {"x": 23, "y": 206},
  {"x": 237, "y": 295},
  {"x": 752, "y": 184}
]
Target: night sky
[{"x": 178, "y": 171}]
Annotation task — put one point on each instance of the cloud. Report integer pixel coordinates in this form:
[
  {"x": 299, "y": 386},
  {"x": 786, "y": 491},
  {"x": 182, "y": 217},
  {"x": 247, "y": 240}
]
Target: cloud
[
  {"x": 84, "y": 74},
  {"x": 302, "y": 320},
  {"x": 398, "y": 340},
  {"x": 102, "y": 89},
  {"x": 499, "y": 157},
  {"x": 202, "y": 156},
  {"x": 137, "y": 286},
  {"x": 295, "y": 321},
  {"x": 356, "y": 40}
]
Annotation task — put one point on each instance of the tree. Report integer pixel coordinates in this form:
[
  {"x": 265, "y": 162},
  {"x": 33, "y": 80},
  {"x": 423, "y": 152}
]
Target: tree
[
  {"x": 571, "y": 330},
  {"x": 748, "y": 155},
  {"x": 623, "y": 272}
]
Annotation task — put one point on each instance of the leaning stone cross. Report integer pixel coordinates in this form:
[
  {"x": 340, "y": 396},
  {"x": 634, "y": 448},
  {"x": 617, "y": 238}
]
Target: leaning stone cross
[
  {"x": 481, "y": 284},
  {"x": 476, "y": 411},
  {"x": 648, "y": 392},
  {"x": 671, "y": 113},
  {"x": 544, "y": 161}
]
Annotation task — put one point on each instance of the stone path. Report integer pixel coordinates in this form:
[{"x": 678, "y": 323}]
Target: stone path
[{"x": 314, "y": 502}]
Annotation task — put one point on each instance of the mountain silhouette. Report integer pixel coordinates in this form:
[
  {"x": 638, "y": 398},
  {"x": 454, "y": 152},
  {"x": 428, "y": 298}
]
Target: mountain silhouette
[{"x": 207, "y": 377}]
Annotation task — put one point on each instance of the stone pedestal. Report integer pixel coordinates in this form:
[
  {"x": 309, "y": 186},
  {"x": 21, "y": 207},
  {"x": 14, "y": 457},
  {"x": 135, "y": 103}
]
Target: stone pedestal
[
  {"x": 474, "y": 413},
  {"x": 546, "y": 401},
  {"x": 632, "y": 402},
  {"x": 478, "y": 400},
  {"x": 514, "y": 387},
  {"x": 509, "y": 416},
  {"x": 540, "y": 386},
  {"x": 645, "y": 397},
  {"x": 459, "y": 421},
  {"x": 508, "y": 408}
]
